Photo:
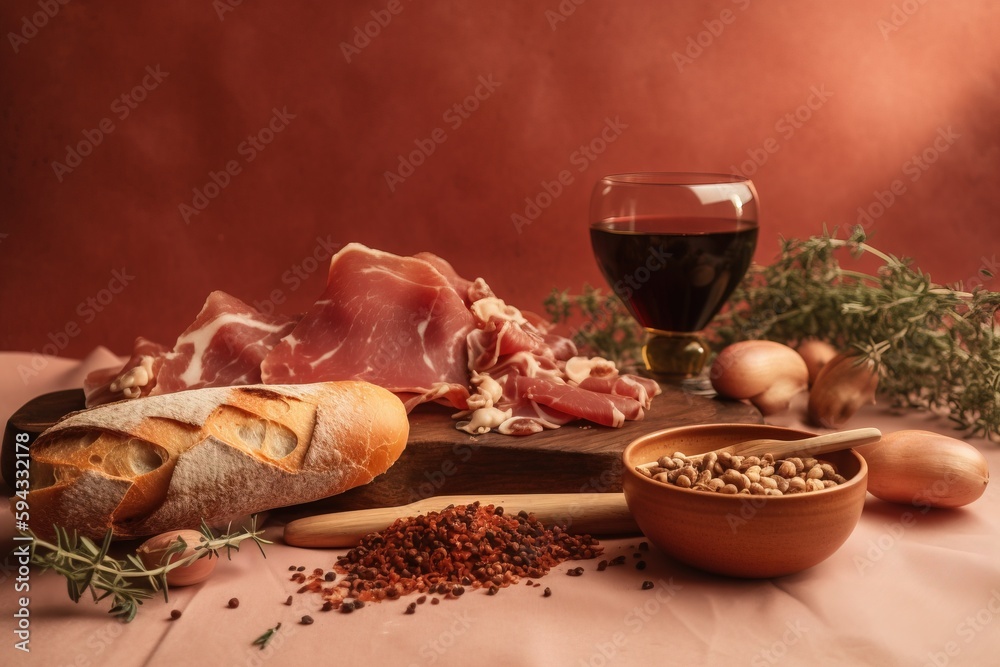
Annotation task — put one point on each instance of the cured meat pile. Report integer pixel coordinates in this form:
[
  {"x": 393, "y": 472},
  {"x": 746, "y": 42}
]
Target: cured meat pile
[{"x": 409, "y": 324}]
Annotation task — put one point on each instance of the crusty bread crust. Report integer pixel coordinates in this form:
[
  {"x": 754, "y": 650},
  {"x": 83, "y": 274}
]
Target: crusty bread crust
[{"x": 158, "y": 463}]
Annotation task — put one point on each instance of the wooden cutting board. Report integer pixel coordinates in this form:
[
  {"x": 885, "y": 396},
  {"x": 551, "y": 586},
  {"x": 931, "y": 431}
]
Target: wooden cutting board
[{"x": 441, "y": 460}]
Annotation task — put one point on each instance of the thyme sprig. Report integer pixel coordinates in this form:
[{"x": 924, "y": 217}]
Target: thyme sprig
[
  {"x": 936, "y": 347},
  {"x": 88, "y": 566}
]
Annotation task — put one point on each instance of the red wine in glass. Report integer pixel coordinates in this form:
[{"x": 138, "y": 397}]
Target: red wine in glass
[{"x": 673, "y": 247}]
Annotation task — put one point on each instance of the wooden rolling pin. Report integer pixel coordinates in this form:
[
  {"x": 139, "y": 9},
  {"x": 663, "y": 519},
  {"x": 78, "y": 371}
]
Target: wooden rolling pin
[{"x": 593, "y": 513}]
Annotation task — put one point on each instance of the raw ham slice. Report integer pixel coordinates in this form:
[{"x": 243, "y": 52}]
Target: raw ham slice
[
  {"x": 468, "y": 290},
  {"x": 136, "y": 378},
  {"x": 628, "y": 386},
  {"x": 395, "y": 321},
  {"x": 409, "y": 324},
  {"x": 224, "y": 346},
  {"x": 503, "y": 330},
  {"x": 499, "y": 338},
  {"x": 528, "y": 379},
  {"x": 604, "y": 409}
]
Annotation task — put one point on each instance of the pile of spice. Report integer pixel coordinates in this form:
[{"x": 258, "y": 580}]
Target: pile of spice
[{"x": 443, "y": 553}]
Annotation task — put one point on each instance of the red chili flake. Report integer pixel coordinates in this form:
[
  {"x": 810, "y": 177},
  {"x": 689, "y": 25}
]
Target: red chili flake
[{"x": 444, "y": 553}]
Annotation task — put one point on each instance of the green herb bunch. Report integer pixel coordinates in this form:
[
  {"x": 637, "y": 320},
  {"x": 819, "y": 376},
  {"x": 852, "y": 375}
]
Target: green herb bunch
[
  {"x": 89, "y": 567},
  {"x": 936, "y": 347}
]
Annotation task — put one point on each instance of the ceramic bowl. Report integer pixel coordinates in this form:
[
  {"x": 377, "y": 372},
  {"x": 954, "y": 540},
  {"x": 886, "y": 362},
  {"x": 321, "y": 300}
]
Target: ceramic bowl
[{"x": 741, "y": 535}]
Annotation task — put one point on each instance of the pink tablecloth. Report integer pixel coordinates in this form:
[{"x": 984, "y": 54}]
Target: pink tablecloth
[{"x": 906, "y": 589}]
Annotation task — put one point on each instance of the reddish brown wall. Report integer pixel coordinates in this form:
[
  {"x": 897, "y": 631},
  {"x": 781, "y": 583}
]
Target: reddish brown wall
[{"x": 894, "y": 77}]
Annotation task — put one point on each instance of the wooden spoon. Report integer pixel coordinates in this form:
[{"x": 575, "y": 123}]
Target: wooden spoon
[
  {"x": 780, "y": 449},
  {"x": 593, "y": 513}
]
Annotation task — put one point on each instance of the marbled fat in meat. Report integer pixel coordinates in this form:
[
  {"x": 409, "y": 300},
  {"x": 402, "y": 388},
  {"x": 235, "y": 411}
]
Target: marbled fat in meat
[{"x": 224, "y": 346}]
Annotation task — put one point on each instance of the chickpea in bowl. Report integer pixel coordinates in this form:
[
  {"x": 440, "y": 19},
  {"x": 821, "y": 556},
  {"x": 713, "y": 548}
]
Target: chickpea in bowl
[{"x": 742, "y": 534}]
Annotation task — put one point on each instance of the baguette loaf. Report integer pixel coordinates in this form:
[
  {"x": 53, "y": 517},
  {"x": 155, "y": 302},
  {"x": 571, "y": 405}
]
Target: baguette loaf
[{"x": 159, "y": 463}]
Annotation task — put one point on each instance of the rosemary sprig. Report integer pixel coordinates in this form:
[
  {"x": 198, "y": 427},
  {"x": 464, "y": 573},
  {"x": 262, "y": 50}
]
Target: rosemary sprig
[
  {"x": 88, "y": 566},
  {"x": 936, "y": 347}
]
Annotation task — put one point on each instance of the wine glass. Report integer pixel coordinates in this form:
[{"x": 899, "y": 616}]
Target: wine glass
[{"x": 673, "y": 246}]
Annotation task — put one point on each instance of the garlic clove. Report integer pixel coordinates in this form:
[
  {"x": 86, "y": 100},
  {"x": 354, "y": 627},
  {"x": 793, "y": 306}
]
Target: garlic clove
[
  {"x": 817, "y": 354},
  {"x": 153, "y": 551},
  {"x": 843, "y": 385},
  {"x": 925, "y": 469},
  {"x": 767, "y": 373}
]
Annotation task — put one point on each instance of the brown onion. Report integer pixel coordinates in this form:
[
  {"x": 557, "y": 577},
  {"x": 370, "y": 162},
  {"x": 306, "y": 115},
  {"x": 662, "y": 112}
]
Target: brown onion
[
  {"x": 766, "y": 373},
  {"x": 925, "y": 469},
  {"x": 843, "y": 385},
  {"x": 817, "y": 354}
]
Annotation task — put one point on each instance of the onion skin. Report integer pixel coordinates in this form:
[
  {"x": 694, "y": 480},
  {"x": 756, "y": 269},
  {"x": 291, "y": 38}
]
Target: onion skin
[
  {"x": 152, "y": 551},
  {"x": 842, "y": 387},
  {"x": 817, "y": 354},
  {"x": 766, "y": 373},
  {"x": 925, "y": 469}
]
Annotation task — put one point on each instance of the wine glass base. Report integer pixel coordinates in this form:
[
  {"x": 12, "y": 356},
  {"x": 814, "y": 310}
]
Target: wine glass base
[
  {"x": 675, "y": 357},
  {"x": 699, "y": 385}
]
